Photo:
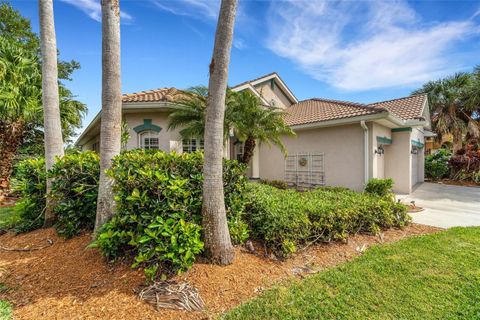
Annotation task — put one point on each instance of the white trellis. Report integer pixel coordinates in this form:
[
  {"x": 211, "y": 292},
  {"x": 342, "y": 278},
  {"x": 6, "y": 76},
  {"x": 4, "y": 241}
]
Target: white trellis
[{"x": 305, "y": 170}]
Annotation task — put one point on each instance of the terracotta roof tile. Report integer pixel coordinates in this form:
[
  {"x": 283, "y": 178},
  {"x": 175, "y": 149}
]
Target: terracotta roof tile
[
  {"x": 156, "y": 95},
  {"x": 318, "y": 110},
  {"x": 407, "y": 108}
]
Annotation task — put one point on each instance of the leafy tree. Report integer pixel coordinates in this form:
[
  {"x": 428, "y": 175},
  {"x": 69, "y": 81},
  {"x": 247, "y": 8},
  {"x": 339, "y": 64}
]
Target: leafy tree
[
  {"x": 21, "y": 124},
  {"x": 189, "y": 113},
  {"x": 454, "y": 106},
  {"x": 254, "y": 123},
  {"x": 244, "y": 113}
]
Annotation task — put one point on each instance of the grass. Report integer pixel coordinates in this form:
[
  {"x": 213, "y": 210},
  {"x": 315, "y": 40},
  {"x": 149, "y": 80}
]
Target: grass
[
  {"x": 5, "y": 310},
  {"x": 435, "y": 276},
  {"x": 8, "y": 217}
]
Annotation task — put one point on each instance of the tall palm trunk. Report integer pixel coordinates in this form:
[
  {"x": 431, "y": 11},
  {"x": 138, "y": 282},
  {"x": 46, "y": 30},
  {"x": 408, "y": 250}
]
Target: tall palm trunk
[
  {"x": 248, "y": 150},
  {"x": 50, "y": 98},
  {"x": 217, "y": 237},
  {"x": 111, "y": 122}
]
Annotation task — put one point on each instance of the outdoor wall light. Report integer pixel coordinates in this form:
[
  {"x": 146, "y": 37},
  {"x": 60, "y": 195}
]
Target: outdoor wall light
[
  {"x": 380, "y": 150},
  {"x": 414, "y": 150}
]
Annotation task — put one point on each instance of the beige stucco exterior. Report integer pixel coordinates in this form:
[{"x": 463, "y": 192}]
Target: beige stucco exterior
[
  {"x": 343, "y": 155},
  {"x": 349, "y": 159}
]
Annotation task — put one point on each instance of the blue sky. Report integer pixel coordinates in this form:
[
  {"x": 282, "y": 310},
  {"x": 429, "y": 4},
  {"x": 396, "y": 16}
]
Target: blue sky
[{"x": 361, "y": 51}]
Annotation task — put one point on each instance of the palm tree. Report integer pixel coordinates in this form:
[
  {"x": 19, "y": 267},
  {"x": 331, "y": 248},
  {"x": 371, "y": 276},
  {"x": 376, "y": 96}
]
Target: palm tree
[
  {"x": 21, "y": 114},
  {"x": 451, "y": 107},
  {"x": 188, "y": 114},
  {"x": 254, "y": 123},
  {"x": 111, "y": 121},
  {"x": 217, "y": 237},
  {"x": 20, "y": 100},
  {"x": 50, "y": 97}
]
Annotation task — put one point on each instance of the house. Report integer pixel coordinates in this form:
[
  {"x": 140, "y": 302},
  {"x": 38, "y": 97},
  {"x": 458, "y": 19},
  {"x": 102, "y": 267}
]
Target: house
[{"x": 337, "y": 143}]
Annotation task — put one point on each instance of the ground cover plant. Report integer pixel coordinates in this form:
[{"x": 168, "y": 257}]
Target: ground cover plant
[
  {"x": 159, "y": 202},
  {"x": 427, "y": 277},
  {"x": 5, "y": 310},
  {"x": 287, "y": 219}
]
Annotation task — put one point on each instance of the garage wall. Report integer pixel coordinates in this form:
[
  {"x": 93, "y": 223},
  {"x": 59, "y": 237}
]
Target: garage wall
[
  {"x": 398, "y": 162},
  {"x": 417, "y": 135},
  {"x": 343, "y": 149},
  {"x": 377, "y": 163}
]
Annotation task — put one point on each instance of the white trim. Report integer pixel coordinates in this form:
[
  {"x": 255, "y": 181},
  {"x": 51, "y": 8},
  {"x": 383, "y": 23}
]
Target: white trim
[
  {"x": 284, "y": 87},
  {"x": 251, "y": 88},
  {"x": 365, "y": 151}
]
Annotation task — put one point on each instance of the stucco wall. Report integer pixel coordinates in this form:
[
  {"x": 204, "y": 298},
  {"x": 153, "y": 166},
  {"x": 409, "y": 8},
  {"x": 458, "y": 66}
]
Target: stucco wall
[
  {"x": 418, "y": 135},
  {"x": 377, "y": 162},
  {"x": 398, "y": 162},
  {"x": 343, "y": 148},
  {"x": 166, "y": 137},
  {"x": 265, "y": 89}
]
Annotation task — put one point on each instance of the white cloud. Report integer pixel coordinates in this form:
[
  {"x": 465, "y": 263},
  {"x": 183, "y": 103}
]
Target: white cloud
[
  {"x": 363, "y": 45},
  {"x": 239, "y": 43},
  {"x": 194, "y": 8},
  {"x": 93, "y": 9}
]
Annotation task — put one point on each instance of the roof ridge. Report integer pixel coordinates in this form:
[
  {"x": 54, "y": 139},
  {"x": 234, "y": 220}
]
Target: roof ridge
[
  {"x": 150, "y": 91},
  {"x": 257, "y": 78},
  {"x": 402, "y": 98},
  {"x": 350, "y": 103}
]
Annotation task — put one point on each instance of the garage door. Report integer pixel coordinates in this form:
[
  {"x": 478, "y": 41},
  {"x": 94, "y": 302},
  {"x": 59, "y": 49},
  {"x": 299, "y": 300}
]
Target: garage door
[{"x": 414, "y": 168}]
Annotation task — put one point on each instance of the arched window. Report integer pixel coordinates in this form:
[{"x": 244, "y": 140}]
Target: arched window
[{"x": 148, "y": 140}]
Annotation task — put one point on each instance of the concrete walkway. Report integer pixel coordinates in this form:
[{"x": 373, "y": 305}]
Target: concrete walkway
[{"x": 445, "y": 206}]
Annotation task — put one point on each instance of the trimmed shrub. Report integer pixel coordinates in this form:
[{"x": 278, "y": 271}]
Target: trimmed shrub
[
  {"x": 286, "y": 219},
  {"x": 159, "y": 202},
  {"x": 74, "y": 192},
  {"x": 437, "y": 165},
  {"x": 379, "y": 187},
  {"x": 30, "y": 182}
]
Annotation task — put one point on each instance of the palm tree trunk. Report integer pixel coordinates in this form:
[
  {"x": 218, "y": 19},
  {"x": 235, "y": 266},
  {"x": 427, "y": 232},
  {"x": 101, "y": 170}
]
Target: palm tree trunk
[
  {"x": 248, "y": 150},
  {"x": 50, "y": 98},
  {"x": 111, "y": 121},
  {"x": 217, "y": 238},
  {"x": 11, "y": 137}
]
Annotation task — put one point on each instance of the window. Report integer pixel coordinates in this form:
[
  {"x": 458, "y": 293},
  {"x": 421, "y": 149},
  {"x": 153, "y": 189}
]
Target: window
[
  {"x": 239, "y": 150},
  {"x": 149, "y": 140},
  {"x": 96, "y": 147},
  {"x": 192, "y": 145}
]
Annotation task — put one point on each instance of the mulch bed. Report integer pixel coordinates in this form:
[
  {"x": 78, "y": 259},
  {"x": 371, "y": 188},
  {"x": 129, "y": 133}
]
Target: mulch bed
[
  {"x": 456, "y": 182},
  {"x": 68, "y": 281}
]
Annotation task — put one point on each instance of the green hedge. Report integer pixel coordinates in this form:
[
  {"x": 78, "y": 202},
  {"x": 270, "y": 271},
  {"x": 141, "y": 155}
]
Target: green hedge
[
  {"x": 436, "y": 165},
  {"x": 286, "y": 219},
  {"x": 74, "y": 192},
  {"x": 159, "y": 202},
  {"x": 379, "y": 187},
  {"x": 30, "y": 181}
]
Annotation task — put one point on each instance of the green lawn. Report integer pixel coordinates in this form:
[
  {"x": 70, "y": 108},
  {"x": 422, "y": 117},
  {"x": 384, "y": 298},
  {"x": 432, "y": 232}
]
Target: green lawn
[
  {"x": 434, "y": 276},
  {"x": 5, "y": 310},
  {"x": 8, "y": 217}
]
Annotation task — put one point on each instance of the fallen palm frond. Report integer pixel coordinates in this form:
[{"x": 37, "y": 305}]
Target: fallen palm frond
[{"x": 172, "y": 295}]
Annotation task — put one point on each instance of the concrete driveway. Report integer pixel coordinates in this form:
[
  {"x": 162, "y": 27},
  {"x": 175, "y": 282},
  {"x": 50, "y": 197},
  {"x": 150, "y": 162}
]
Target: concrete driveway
[{"x": 445, "y": 206}]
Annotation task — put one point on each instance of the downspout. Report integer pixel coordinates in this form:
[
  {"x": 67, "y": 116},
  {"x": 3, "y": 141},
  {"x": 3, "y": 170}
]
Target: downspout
[{"x": 366, "y": 152}]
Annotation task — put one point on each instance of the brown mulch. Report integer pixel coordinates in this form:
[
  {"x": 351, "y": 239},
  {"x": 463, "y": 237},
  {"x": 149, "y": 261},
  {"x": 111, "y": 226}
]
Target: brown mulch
[{"x": 68, "y": 281}]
